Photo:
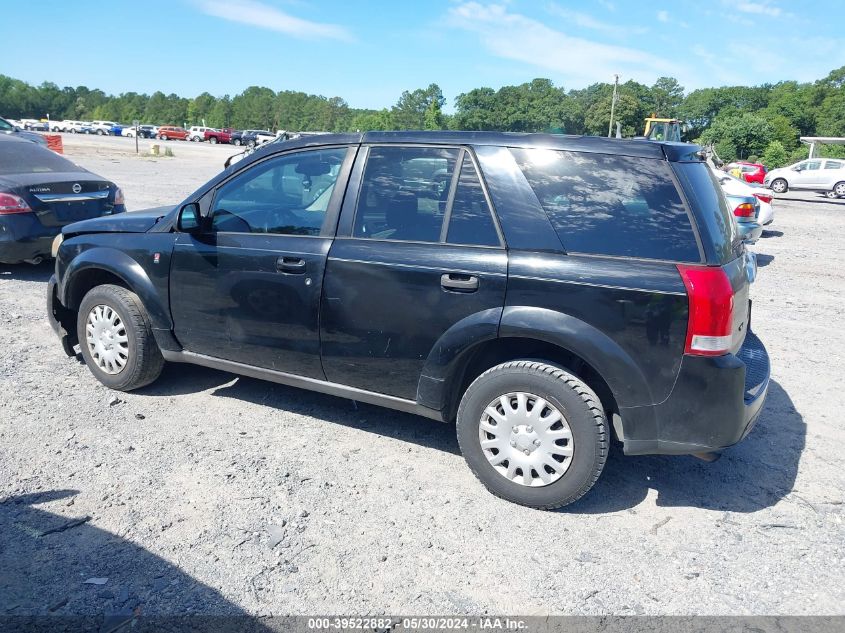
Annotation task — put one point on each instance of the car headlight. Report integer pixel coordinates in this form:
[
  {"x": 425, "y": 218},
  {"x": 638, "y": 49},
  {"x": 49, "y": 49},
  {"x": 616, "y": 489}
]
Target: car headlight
[{"x": 57, "y": 241}]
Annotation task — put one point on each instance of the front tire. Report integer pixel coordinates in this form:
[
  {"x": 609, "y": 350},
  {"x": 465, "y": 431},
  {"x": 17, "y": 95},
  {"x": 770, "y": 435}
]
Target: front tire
[
  {"x": 213, "y": 140},
  {"x": 236, "y": 142},
  {"x": 116, "y": 338},
  {"x": 779, "y": 185},
  {"x": 533, "y": 434},
  {"x": 839, "y": 190}
]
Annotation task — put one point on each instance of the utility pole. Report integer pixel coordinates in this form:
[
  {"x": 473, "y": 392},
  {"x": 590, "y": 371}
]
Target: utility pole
[{"x": 612, "y": 105}]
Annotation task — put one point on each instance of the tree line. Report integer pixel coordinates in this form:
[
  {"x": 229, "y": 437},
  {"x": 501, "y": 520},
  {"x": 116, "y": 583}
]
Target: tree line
[{"x": 742, "y": 122}]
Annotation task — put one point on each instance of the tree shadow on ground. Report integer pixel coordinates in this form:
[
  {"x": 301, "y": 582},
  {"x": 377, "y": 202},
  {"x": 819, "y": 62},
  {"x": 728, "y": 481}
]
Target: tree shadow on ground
[
  {"x": 753, "y": 475},
  {"x": 46, "y": 558}
]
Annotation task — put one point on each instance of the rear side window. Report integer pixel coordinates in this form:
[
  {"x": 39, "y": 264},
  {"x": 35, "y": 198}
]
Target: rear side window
[
  {"x": 833, "y": 164},
  {"x": 470, "y": 221},
  {"x": 404, "y": 193},
  {"x": 603, "y": 204}
]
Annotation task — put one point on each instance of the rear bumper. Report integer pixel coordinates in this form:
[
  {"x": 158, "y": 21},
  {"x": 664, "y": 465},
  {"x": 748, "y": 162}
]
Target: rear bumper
[
  {"x": 750, "y": 231},
  {"x": 714, "y": 404},
  {"x": 23, "y": 237}
]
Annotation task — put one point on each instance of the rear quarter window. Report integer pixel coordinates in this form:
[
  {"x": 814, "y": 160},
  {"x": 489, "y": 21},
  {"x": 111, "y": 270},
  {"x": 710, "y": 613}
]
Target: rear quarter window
[{"x": 602, "y": 204}]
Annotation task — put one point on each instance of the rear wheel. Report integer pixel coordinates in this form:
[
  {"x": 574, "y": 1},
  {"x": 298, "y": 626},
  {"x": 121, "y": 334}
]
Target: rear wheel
[
  {"x": 779, "y": 185},
  {"x": 533, "y": 433},
  {"x": 116, "y": 338},
  {"x": 99, "y": 132}
]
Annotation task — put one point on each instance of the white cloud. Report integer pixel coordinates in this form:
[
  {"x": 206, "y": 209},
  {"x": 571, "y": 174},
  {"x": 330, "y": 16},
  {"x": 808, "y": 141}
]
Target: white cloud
[
  {"x": 607, "y": 5},
  {"x": 663, "y": 16},
  {"x": 586, "y": 21},
  {"x": 266, "y": 17},
  {"x": 758, "y": 8},
  {"x": 578, "y": 60}
]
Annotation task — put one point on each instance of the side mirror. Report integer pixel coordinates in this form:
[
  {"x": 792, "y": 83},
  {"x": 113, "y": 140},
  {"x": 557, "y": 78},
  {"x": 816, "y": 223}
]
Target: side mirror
[{"x": 190, "y": 218}]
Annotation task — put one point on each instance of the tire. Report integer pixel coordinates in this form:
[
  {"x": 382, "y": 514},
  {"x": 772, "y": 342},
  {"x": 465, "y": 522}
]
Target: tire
[
  {"x": 99, "y": 132},
  {"x": 839, "y": 190},
  {"x": 213, "y": 140},
  {"x": 779, "y": 185},
  {"x": 163, "y": 137},
  {"x": 582, "y": 417},
  {"x": 73, "y": 130},
  {"x": 250, "y": 144},
  {"x": 142, "y": 361},
  {"x": 236, "y": 142}
]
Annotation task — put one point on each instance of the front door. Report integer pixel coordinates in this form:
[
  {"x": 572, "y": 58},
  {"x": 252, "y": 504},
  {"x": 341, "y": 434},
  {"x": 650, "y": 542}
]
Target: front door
[
  {"x": 809, "y": 176},
  {"x": 248, "y": 289},
  {"x": 419, "y": 253}
]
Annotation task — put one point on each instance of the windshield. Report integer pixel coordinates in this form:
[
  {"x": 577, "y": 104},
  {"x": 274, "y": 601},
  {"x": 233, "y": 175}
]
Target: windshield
[
  {"x": 26, "y": 158},
  {"x": 5, "y": 126}
]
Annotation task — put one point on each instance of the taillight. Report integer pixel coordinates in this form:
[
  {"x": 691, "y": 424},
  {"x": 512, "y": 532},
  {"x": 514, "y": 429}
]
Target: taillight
[
  {"x": 118, "y": 196},
  {"x": 763, "y": 197},
  {"x": 745, "y": 210},
  {"x": 711, "y": 305},
  {"x": 10, "y": 203}
]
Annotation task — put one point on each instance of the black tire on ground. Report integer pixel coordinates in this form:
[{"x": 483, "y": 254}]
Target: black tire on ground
[
  {"x": 144, "y": 363},
  {"x": 100, "y": 132},
  {"x": 163, "y": 137},
  {"x": 571, "y": 396},
  {"x": 213, "y": 140},
  {"x": 236, "y": 142},
  {"x": 779, "y": 185},
  {"x": 839, "y": 190},
  {"x": 250, "y": 144}
]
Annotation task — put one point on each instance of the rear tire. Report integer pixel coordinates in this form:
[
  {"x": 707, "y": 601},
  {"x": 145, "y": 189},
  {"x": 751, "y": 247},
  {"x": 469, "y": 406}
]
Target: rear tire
[
  {"x": 779, "y": 185},
  {"x": 116, "y": 338},
  {"x": 100, "y": 132},
  {"x": 571, "y": 451}
]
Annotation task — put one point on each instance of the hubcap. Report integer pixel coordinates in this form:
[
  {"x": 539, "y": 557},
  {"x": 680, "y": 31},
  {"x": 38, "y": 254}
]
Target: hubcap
[
  {"x": 107, "y": 340},
  {"x": 526, "y": 439},
  {"x": 840, "y": 190},
  {"x": 778, "y": 186}
]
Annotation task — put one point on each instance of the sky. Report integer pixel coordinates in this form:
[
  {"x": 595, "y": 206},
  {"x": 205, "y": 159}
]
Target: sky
[{"x": 368, "y": 52}]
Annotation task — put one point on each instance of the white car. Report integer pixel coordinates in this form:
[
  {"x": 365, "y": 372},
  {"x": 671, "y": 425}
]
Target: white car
[
  {"x": 197, "y": 133},
  {"x": 735, "y": 187},
  {"x": 814, "y": 174},
  {"x": 102, "y": 127}
]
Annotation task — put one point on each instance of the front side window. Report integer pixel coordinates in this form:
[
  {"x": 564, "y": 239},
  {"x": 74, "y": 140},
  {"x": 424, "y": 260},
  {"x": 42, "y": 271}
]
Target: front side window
[
  {"x": 288, "y": 195},
  {"x": 603, "y": 204},
  {"x": 404, "y": 193},
  {"x": 812, "y": 165}
]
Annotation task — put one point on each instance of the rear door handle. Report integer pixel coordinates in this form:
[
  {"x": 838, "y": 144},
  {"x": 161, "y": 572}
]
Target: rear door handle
[
  {"x": 460, "y": 283},
  {"x": 290, "y": 265}
]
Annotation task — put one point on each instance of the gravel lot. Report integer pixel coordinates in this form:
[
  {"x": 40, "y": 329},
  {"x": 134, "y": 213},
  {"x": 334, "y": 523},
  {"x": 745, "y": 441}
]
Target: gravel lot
[{"x": 210, "y": 493}]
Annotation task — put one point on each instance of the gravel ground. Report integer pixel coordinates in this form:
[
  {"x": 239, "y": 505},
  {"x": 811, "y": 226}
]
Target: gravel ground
[{"x": 209, "y": 493}]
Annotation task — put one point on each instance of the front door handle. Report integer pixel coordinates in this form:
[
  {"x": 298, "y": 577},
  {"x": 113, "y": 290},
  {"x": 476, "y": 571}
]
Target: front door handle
[
  {"x": 458, "y": 282},
  {"x": 290, "y": 265}
]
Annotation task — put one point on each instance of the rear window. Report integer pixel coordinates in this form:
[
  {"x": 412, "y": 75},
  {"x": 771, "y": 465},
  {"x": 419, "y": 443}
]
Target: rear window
[
  {"x": 715, "y": 220},
  {"x": 603, "y": 204},
  {"x": 25, "y": 158}
]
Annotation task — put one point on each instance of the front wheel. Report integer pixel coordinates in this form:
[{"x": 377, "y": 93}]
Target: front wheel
[
  {"x": 99, "y": 132},
  {"x": 116, "y": 338},
  {"x": 839, "y": 190},
  {"x": 533, "y": 433},
  {"x": 163, "y": 137},
  {"x": 236, "y": 142},
  {"x": 213, "y": 140},
  {"x": 779, "y": 185}
]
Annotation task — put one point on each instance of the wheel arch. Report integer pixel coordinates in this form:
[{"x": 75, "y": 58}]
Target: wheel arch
[
  {"x": 536, "y": 334},
  {"x": 99, "y": 266}
]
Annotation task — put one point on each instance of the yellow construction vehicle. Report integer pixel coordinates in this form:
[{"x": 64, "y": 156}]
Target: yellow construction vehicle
[{"x": 657, "y": 129}]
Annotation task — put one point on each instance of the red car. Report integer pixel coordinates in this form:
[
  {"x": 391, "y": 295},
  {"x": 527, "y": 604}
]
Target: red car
[
  {"x": 749, "y": 172},
  {"x": 170, "y": 132},
  {"x": 223, "y": 135}
]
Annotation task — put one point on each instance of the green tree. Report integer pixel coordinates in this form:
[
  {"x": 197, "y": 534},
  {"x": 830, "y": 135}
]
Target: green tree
[
  {"x": 775, "y": 155},
  {"x": 738, "y": 137},
  {"x": 433, "y": 118},
  {"x": 667, "y": 95},
  {"x": 409, "y": 111}
]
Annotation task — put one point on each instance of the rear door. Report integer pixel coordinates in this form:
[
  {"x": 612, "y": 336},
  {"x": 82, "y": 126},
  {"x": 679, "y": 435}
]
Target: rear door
[
  {"x": 417, "y": 252},
  {"x": 248, "y": 290}
]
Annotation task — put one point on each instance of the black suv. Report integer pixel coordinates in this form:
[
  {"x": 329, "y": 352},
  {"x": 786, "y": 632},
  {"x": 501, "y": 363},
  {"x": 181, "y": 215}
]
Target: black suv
[{"x": 536, "y": 289}]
